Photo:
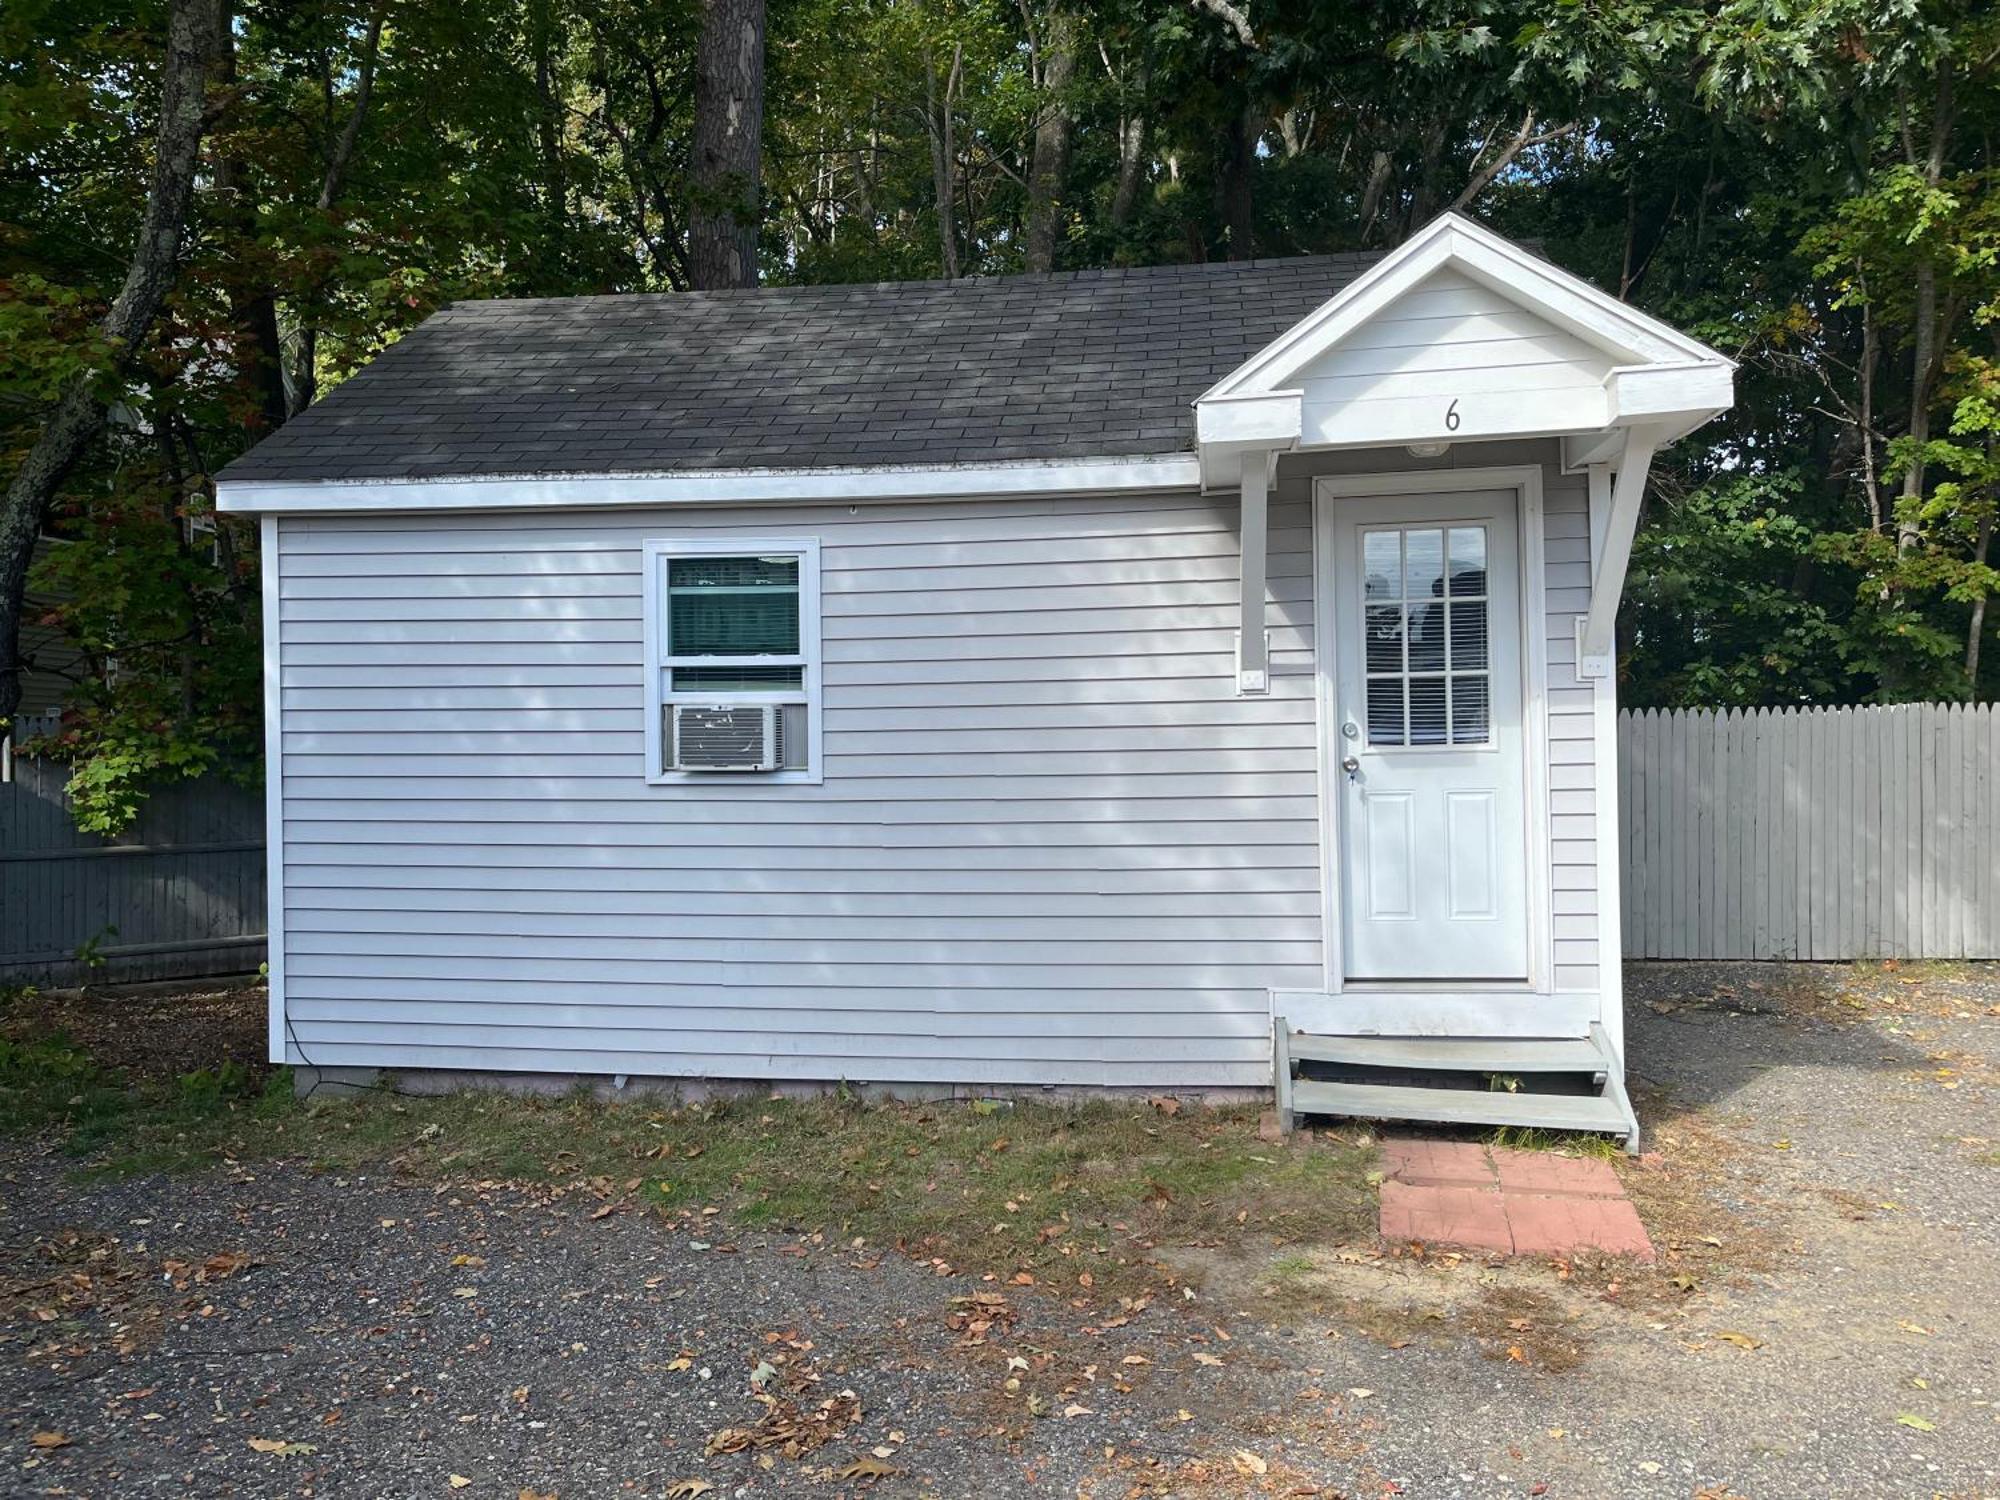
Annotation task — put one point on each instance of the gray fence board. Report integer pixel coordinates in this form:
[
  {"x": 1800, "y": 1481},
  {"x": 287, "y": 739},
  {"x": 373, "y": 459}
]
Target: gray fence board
[
  {"x": 1820, "y": 833},
  {"x": 180, "y": 895}
]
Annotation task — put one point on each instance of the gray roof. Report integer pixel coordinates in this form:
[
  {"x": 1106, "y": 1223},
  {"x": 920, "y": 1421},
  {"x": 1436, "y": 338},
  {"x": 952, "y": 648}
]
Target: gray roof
[{"x": 1086, "y": 364}]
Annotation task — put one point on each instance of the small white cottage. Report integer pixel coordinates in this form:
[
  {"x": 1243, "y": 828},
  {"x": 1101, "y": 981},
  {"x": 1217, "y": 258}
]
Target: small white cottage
[{"x": 1123, "y": 678}]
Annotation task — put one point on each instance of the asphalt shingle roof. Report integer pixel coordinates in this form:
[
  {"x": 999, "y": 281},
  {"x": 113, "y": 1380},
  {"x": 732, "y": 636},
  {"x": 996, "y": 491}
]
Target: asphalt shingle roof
[{"x": 1086, "y": 364}]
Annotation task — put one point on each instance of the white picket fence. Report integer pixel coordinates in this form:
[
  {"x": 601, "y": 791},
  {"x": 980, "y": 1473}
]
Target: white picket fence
[{"x": 1819, "y": 833}]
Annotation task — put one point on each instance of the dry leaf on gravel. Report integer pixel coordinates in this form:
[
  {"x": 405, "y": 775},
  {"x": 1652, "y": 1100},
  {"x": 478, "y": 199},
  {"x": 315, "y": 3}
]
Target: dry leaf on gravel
[
  {"x": 50, "y": 1440},
  {"x": 972, "y": 1318},
  {"x": 281, "y": 1447},
  {"x": 1911, "y": 1419},
  {"x": 868, "y": 1468},
  {"x": 1740, "y": 1340},
  {"x": 688, "y": 1489},
  {"x": 1248, "y": 1463},
  {"x": 783, "y": 1426},
  {"x": 458, "y": 1482}
]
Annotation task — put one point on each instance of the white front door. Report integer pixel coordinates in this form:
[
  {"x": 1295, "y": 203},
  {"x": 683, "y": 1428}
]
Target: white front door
[{"x": 1428, "y": 737}]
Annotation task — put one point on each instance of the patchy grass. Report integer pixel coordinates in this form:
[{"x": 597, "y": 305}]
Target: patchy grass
[
  {"x": 1565, "y": 1142},
  {"x": 1078, "y": 1196}
]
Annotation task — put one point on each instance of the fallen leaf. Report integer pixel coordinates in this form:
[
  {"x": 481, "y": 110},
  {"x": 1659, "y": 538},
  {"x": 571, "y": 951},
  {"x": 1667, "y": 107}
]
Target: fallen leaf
[
  {"x": 281, "y": 1447},
  {"x": 1074, "y": 1410},
  {"x": 458, "y": 1481},
  {"x": 1248, "y": 1463},
  {"x": 687, "y": 1489},
  {"x": 50, "y": 1440},
  {"x": 1359, "y": 1392},
  {"x": 1202, "y": 1357},
  {"x": 535, "y": 1495},
  {"x": 867, "y": 1467},
  {"x": 1911, "y": 1419},
  {"x": 1740, "y": 1340}
]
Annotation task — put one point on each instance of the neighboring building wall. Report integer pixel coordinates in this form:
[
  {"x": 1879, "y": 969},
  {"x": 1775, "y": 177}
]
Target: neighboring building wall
[{"x": 1053, "y": 845}]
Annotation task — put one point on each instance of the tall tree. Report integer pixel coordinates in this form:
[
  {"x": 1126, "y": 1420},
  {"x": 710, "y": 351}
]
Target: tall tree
[
  {"x": 725, "y": 202},
  {"x": 1056, "y": 65},
  {"x": 194, "y": 42}
]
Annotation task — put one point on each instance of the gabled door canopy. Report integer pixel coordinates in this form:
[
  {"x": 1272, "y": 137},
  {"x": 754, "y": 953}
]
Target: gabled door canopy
[
  {"x": 1625, "y": 386},
  {"x": 1642, "y": 372}
]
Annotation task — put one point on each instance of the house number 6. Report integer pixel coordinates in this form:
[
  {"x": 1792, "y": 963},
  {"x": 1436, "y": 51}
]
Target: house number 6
[{"x": 1451, "y": 417}]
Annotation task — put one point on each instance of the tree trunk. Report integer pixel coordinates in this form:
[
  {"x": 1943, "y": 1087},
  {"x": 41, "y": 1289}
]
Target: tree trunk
[
  {"x": 944, "y": 159},
  {"x": 253, "y": 302},
  {"x": 194, "y": 39},
  {"x": 1131, "y": 167},
  {"x": 723, "y": 211},
  {"x": 1380, "y": 168},
  {"x": 305, "y": 379},
  {"x": 1050, "y": 160},
  {"x": 1978, "y": 626},
  {"x": 1239, "y": 159}
]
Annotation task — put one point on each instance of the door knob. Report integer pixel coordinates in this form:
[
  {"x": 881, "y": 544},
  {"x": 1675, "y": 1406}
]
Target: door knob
[{"x": 1352, "y": 767}]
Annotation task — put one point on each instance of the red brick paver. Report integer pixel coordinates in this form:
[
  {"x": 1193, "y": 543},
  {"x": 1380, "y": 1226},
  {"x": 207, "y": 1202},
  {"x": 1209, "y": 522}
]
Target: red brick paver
[{"x": 1515, "y": 1202}]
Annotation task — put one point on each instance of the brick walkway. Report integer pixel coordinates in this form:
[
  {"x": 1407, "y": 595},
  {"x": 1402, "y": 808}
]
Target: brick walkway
[{"x": 1516, "y": 1202}]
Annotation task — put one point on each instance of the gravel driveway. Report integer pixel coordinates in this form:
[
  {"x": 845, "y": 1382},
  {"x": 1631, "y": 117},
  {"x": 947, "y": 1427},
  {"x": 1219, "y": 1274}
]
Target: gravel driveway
[{"x": 288, "y": 1332}]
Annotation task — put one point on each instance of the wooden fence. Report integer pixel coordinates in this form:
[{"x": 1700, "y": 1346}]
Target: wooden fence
[
  {"x": 179, "y": 895},
  {"x": 1823, "y": 833}
]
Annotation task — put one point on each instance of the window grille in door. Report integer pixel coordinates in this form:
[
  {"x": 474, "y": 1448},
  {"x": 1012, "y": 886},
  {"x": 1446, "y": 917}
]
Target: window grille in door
[{"x": 1424, "y": 627}]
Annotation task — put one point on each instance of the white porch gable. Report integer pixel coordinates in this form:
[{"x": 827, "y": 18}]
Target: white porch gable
[{"x": 1456, "y": 336}]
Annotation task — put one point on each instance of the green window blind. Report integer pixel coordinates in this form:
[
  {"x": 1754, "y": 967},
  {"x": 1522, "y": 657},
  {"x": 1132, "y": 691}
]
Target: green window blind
[{"x": 733, "y": 606}]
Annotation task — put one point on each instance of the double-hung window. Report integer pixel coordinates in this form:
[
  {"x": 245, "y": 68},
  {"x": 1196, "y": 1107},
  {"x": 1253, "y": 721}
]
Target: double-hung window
[{"x": 732, "y": 660}]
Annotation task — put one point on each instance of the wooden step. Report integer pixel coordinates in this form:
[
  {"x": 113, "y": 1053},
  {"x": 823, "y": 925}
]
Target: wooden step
[
  {"x": 1453, "y": 1054},
  {"x": 1369, "y": 1101}
]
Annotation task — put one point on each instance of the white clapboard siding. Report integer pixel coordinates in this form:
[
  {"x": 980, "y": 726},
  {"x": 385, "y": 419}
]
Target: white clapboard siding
[
  {"x": 1053, "y": 846},
  {"x": 1818, "y": 833}
]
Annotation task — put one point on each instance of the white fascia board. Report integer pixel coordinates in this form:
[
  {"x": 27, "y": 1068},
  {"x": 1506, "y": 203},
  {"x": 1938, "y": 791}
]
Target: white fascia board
[
  {"x": 1567, "y": 301},
  {"x": 1147, "y": 474},
  {"x": 1268, "y": 419},
  {"x": 1657, "y": 393}
]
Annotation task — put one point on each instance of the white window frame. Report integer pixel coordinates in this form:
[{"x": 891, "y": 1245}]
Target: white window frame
[{"x": 655, "y": 553}]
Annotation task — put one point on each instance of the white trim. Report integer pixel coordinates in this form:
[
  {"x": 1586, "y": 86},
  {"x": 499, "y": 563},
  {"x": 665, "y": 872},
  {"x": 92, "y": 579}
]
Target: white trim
[
  {"x": 274, "y": 790},
  {"x": 1526, "y": 482},
  {"x": 651, "y": 551},
  {"x": 1565, "y": 300},
  {"x": 1371, "y": 1012},
  {"x": 725, "y": 487},
  {"x": 1604, "y": 800},
  {"x": 1596, "y": 643}
]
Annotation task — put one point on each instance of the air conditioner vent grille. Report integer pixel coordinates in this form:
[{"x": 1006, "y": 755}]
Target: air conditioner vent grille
[{"x": 718, "y": 738}]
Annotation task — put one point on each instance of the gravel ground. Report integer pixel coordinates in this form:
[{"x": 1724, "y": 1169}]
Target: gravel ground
[{"x": 1837, "y": 1139}]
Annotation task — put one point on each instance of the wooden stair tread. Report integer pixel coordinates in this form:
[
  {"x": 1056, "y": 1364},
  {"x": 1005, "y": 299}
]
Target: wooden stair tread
[
  {"x": 1452, "y": 1054},
  {"x": 1370, "y": 1101}
]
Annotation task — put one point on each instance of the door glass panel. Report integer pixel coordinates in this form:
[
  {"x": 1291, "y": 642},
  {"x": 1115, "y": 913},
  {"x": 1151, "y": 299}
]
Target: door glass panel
[
  {"x": 1385, "y": 711},
  {"x": 1468, "y": 635},
  {"x": 1423, "y": 565},
  {"x": 1468, "y": 560},
  {"x": 1470, "y": 716},
  {"x": 1427, "y": 716},
  {"x": 1385, "y": 638},
  {"x": 1426, "y": 637},
  {"x": 1382, "y": 564},
  {"x": 1426, "y": 658}
]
